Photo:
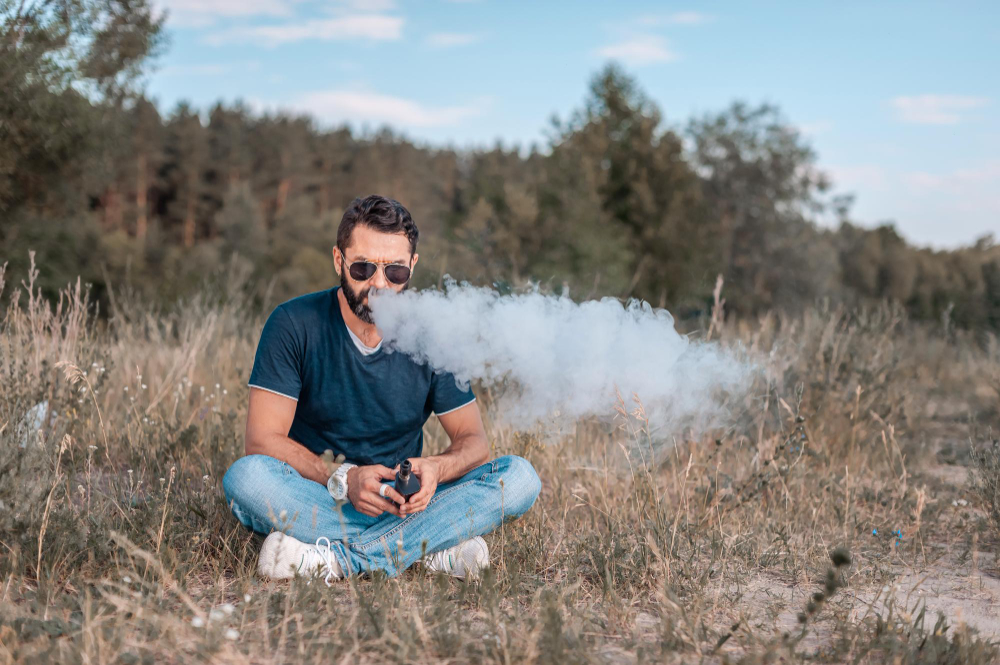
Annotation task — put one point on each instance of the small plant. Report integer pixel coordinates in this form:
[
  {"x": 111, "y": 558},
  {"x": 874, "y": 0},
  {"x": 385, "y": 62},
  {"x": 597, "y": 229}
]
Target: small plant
[{"x": 985, "y": 479}]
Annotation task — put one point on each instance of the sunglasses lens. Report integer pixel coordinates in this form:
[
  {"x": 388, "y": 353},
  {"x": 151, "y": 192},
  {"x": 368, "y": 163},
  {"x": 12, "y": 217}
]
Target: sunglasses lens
[
  {"x": 362, "y": 270},
  {"x": 397, "y": 274}
]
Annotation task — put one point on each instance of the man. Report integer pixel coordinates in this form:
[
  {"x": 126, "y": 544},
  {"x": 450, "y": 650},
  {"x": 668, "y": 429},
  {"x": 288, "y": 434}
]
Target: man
[{"x": 321, "y": 380}]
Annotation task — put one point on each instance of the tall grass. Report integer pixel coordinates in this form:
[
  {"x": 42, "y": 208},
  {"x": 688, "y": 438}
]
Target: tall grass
[{"x": 116, "y": 544}]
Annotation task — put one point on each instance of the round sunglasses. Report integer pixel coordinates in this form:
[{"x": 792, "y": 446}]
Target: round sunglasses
[{"x": 395, "y": 273}]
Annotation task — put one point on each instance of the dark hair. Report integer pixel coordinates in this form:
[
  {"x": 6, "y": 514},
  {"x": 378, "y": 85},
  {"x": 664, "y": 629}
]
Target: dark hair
[{"x": 379, "y": 213}]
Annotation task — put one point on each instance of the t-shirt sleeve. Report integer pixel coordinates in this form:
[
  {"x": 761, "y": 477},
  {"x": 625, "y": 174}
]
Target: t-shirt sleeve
[
  {"x": 277, "y": 367},
  {"x": 446, "y": 395}
]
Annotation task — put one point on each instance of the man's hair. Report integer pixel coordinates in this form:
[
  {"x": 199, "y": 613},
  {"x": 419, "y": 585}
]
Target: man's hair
[{"x": 379, "y": 213}]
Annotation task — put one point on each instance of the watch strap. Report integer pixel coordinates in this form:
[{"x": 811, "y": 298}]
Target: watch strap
[{"x": 339, "y": 479}]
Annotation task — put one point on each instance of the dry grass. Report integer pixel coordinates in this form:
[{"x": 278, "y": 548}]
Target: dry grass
[{"x": 116, "y": 544}]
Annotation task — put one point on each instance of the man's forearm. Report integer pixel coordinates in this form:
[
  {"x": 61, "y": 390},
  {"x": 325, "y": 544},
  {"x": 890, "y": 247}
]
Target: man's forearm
[
  {"x": 307, "y": 463},
  {"x": 463, "y": 455}
]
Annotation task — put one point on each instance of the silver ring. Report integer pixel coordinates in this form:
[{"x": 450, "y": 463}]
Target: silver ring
[{"x": 381, "y": 490}]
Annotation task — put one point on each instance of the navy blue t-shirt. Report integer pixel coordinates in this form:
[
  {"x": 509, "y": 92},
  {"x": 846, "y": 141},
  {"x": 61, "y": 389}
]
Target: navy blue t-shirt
[{"x": 371, "y": 408}]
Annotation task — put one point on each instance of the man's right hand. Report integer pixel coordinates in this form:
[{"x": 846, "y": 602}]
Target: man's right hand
[{"x": 363, "y": 483}]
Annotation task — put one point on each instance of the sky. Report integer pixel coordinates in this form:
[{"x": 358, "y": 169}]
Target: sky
[{"x": 900, "y": 100}]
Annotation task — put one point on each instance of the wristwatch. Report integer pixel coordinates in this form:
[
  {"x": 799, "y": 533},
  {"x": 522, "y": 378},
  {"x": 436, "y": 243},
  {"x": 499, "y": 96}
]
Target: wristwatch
[{"x": 336, "y": 484}]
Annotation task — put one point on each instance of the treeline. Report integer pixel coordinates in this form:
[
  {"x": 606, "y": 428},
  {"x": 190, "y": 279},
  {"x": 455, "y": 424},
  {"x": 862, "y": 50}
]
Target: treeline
[{"x": 99, "y": 184}]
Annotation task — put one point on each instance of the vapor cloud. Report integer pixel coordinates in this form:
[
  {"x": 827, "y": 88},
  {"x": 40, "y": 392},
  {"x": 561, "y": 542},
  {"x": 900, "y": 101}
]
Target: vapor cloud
[{"x": 556, "y": 361}]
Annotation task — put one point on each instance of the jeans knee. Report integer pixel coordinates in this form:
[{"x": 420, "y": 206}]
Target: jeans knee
[
  {"x": 245, "y": 474},
  {"x": 521, "y": 484}
]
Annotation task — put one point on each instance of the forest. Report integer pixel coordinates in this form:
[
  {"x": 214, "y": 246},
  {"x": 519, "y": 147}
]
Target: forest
[{"x": 620, "y": 201}]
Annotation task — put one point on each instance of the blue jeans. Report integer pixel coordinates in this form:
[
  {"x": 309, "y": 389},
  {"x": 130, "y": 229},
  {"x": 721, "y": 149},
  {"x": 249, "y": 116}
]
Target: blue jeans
[{"x": 267, "y": 494}]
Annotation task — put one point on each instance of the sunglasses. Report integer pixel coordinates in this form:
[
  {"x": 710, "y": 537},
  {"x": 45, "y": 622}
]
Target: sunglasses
[{"x": 395, "y": 273}]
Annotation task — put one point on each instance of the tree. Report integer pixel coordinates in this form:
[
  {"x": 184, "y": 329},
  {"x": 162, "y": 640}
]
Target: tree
[
  {"x": 759, "y": 178},
  {"x": 647, "y": 189},
  {"x": 186, "y": 158},
  {"x": 61, "y": 61}
]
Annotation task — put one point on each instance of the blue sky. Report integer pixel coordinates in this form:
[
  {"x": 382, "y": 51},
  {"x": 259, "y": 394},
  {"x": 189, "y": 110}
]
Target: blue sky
[{"x": 901, "y": 100}]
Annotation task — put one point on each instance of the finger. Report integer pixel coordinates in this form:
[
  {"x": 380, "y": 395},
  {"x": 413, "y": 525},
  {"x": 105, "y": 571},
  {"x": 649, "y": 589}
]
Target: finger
[
  {"x": 425, "y": 493},
  {"x": 393, "y": 495},
  {"x": 383, "y": 472},
  {"x": 411, "y": 508},
  {"x": 389, "y": 507},
  {"x": 417, "y": 502}
]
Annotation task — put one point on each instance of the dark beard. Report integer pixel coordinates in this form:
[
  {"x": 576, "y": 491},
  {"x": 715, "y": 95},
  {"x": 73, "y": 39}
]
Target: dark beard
[{"x": 354, "y": 298}]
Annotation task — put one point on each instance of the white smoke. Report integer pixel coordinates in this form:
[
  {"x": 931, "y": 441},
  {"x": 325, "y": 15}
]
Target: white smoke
[{"x": 557, "y": 361}]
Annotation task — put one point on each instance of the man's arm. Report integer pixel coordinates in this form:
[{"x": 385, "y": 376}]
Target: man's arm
[
  {"x": 469, "y": 448},
  {"x": 269, "y": 417}
]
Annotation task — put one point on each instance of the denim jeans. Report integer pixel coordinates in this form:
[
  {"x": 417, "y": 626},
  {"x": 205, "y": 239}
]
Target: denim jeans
[{"x": 267, "y": 494}]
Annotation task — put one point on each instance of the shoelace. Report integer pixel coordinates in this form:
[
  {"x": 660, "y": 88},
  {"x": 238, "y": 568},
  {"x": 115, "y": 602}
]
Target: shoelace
[{"x": 327, "y": 557}]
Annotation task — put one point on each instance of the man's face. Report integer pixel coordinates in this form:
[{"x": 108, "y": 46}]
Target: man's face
[{"x": 380, "y": 248}]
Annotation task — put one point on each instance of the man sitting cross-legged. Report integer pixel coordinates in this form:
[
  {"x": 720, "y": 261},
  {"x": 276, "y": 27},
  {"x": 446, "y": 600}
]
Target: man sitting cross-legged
[{"x": 321, "y": 380}]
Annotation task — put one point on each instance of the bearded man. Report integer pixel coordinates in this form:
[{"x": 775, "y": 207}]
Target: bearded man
[{"x": 322, "y": 380}]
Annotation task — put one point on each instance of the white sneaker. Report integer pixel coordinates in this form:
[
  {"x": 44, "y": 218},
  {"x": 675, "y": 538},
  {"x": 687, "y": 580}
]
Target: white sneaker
[
  {"x": 466, "y": 559},
  {"x": 281, "y": 556}
]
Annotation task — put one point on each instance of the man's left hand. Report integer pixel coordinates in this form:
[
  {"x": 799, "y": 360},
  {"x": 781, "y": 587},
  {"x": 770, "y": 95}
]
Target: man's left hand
[{"x": 428, "y": 472}]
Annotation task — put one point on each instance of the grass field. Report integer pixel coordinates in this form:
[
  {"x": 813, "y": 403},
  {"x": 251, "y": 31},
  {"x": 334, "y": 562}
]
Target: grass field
[{"x": 116, "y": 544}]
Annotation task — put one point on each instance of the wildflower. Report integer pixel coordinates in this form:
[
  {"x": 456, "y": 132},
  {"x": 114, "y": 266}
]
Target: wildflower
[
  {"x": 205, "y": 477},
  {"x": 91, "y": 447},
  {"x": 227, "y": 608},
  {"x": 246, "y": 596},
  {"x": 216, "y": 386},
  {"x": 125, "y": 388},
  {"x": 93, "y": 364},
  {"x": 225, "y": 392},
  {"x": 232, "y": 634},
  {"x": 126, "y": 579},
  {"x": 144, "y": 386},
  {"x": 197, "y": 622}
]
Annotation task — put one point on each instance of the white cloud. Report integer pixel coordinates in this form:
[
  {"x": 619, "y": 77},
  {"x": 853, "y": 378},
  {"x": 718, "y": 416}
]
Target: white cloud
[
  {"x": 677, "y": 18},
  {"x": 639, "y": 50},
  {"x": 368, "y": 5},
  {"x": 194, "y": 70},
  {"x": 936, "y": 109},
  {"x": 858, "y": 176},
  {"x": 375, "y": 27},
  {"x": 451, "y": 39},
  {"x": 340, "y": 106},
  {"x": 960, "y": 180},
  {"x": 201, "y": 13},
  {"x": 815, "y": 128}
]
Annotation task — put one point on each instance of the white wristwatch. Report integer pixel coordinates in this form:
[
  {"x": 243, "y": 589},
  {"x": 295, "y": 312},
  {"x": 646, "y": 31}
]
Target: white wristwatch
[{"x": 336, "y": 484}]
